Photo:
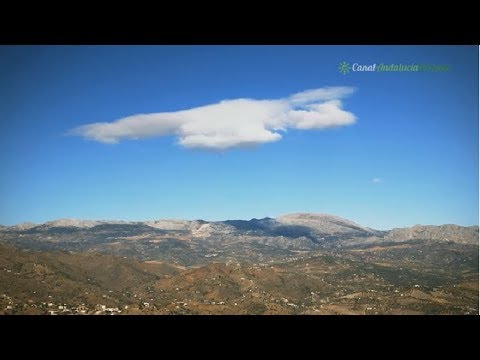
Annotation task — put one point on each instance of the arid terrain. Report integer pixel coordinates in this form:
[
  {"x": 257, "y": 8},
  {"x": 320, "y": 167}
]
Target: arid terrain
[{"x": 296, "y": 264}]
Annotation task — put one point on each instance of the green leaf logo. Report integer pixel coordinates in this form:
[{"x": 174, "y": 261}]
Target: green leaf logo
[{"x": 344, "y": 67}]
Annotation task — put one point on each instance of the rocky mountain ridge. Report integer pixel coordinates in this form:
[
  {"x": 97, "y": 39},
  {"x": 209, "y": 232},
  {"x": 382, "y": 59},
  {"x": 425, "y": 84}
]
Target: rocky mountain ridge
[{"x": 316, "y": 227}]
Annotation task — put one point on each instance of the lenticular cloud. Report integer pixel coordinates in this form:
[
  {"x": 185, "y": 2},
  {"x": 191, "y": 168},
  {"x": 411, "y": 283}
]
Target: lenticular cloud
[{"x": 231, "y": 123}]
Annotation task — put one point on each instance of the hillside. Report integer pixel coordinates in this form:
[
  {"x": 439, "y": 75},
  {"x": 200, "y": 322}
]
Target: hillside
[
  {"x": 198, "y": 242},
  {"x": 295, "y": 264},
  {"x": 454, "y": 233},
  {"x": 412, "y": 278}
]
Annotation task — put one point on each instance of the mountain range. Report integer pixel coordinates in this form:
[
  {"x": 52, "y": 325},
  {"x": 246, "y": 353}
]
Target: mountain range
[
  {"x": 294, "y": 264},
  {"x": 192, "y": 242},
  {"x": 317, "y": 227}
]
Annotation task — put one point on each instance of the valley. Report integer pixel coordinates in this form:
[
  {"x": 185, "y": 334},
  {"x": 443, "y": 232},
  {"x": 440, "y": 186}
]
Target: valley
[{"x": 298, "y": 264}]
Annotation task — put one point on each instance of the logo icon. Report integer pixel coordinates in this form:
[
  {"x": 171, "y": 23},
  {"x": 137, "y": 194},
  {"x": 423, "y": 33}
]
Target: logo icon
[{"x": 344, "y": 67}]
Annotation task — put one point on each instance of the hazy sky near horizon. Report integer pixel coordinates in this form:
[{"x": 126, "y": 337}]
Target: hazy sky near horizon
[{"x": 236, "y": 132}]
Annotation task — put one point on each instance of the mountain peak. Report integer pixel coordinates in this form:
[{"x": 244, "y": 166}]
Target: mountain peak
[
  {"x": 322, "y": 223},
  {"x": 24, "y": 226},
  {"x": 306, "y": 215},
  {"x": 66, "y": 222}
]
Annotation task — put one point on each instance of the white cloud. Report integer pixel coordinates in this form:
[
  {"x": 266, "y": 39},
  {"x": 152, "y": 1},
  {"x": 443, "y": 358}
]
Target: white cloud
[
  {"x": 377, "y": 180},
  {"x": 231, "y": 123},
  {"x": 327, "y": 93}
]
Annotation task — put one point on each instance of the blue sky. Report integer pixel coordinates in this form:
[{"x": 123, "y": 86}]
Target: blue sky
[{"x": 416, "y": 132}]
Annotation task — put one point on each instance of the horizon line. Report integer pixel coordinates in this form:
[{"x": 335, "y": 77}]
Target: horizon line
[{"x": 231, "y": 219}]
